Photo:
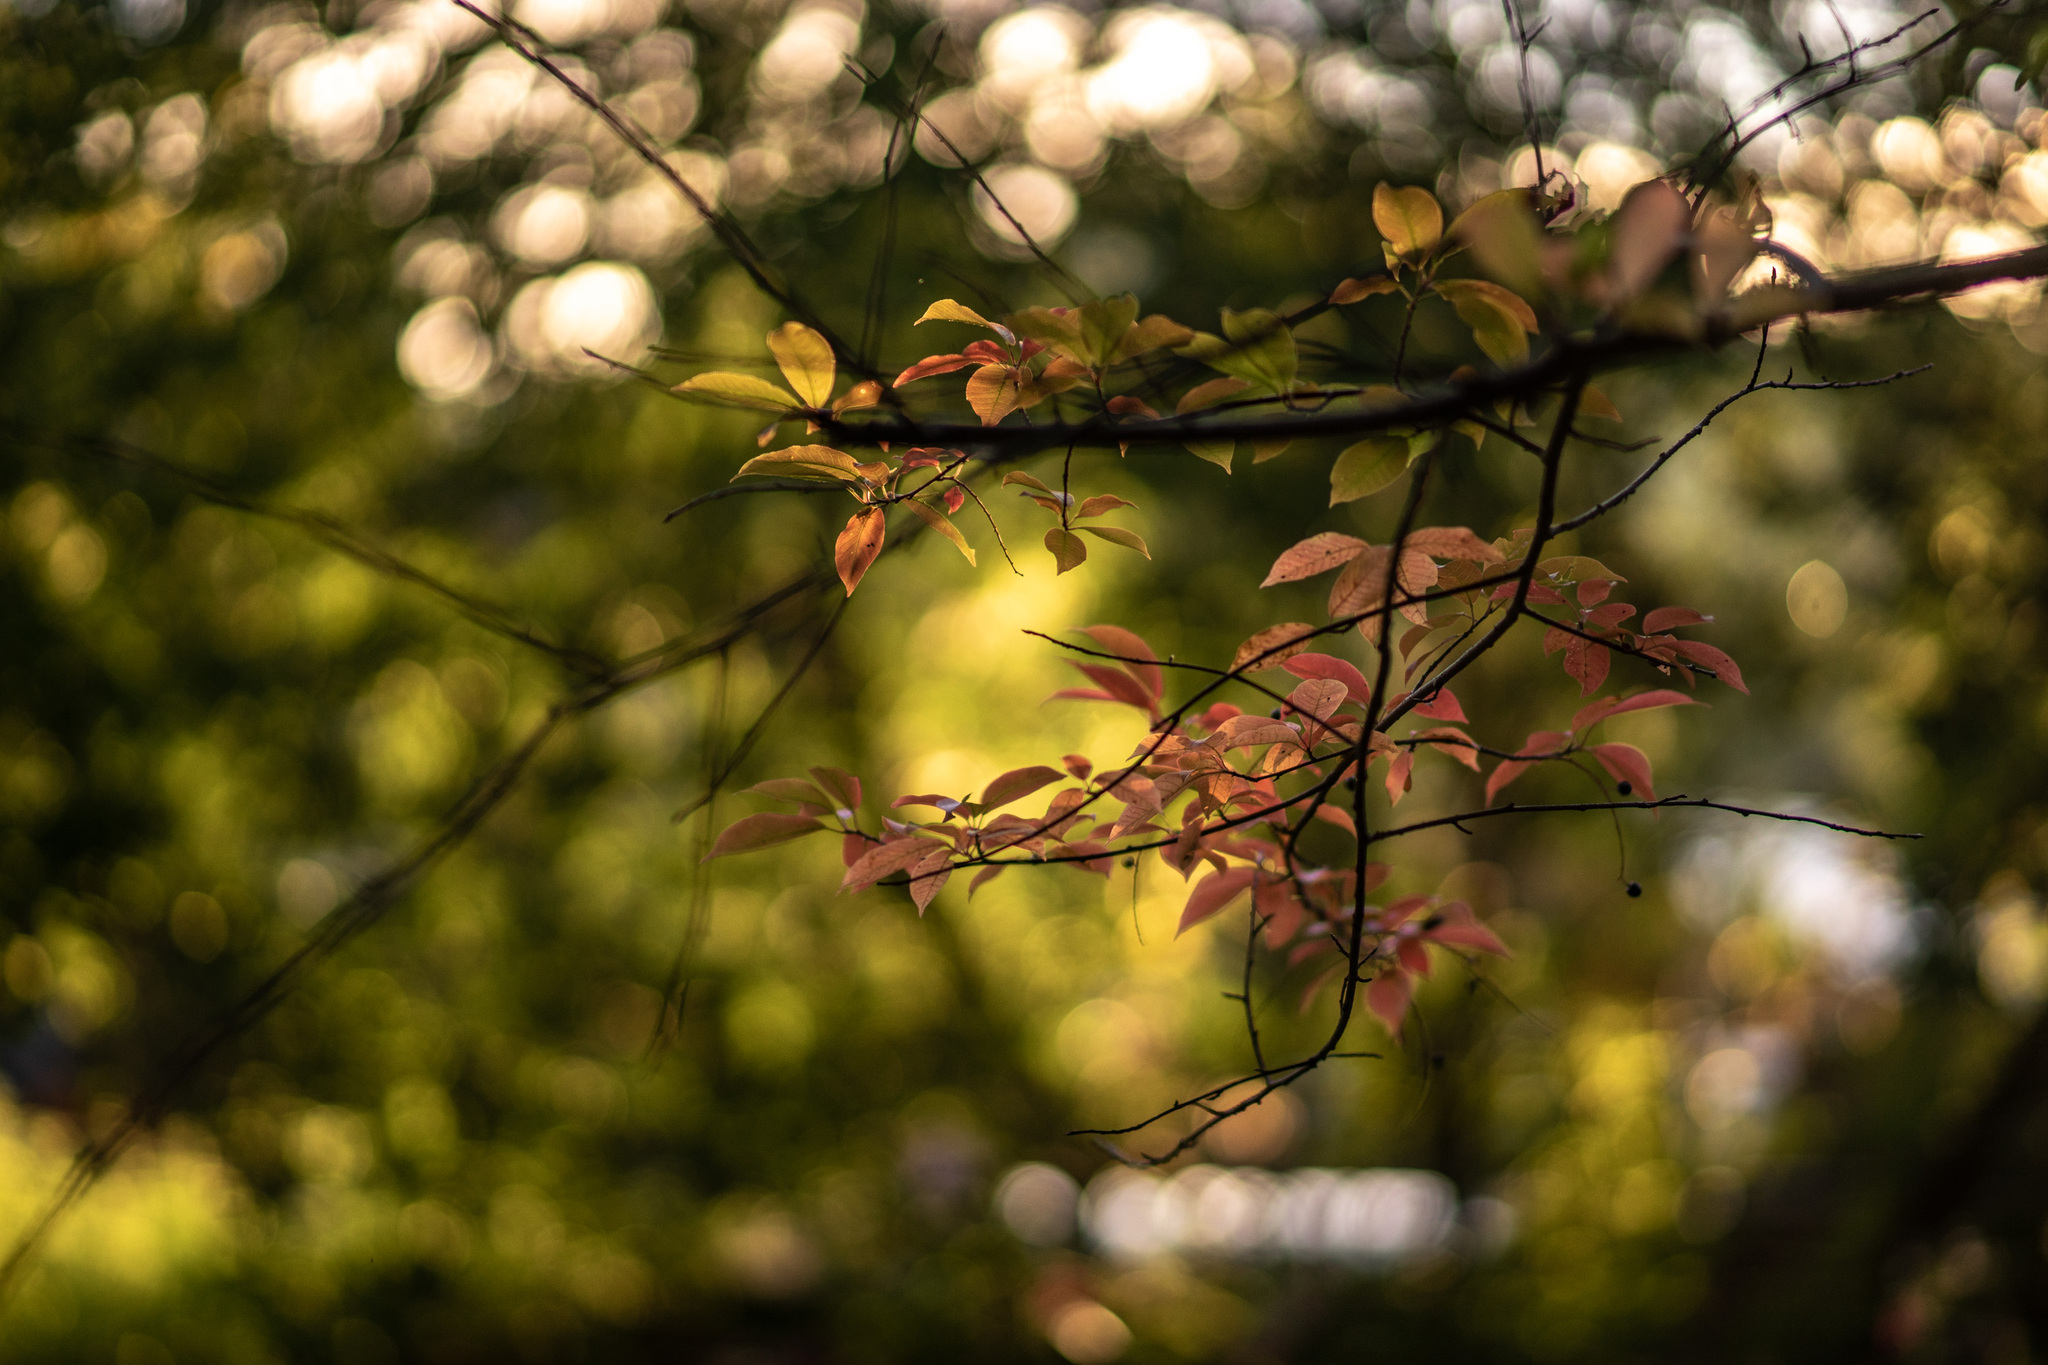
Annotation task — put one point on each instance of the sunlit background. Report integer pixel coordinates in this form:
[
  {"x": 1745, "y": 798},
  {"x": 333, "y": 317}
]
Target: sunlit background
[{"x": 358, "y": 259}]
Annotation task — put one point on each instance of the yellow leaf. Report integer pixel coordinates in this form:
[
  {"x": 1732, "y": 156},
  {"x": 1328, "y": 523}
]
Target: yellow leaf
[
  {"x": 1409, "y": 218},
  {"x": 805, "y": 462},
  {"x": 945, "y": 310},
  {"x": 1069, "y": 551},
  {"x": 1594, "y": 403},
  {"x": 1117, "y": 535},
  {"x": 1209, "y": 394},
  {"x": 741, "y": 390},
  {"x": 1367, "y": 467},
  {"x": 1506, "y": 239},
  {"x": 939, "y": 522},
  {"x": 805, "y": 359},
  {"x": 992, "y": 393}
]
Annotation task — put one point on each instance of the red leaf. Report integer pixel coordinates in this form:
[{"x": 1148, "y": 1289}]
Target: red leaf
[
  {"x": 1339, "y": 817},
  {"x": 1443, "y": 706},
  {"x": 761, "y": 831},
  {"x": 1320, "y": 553},
  {"x": 1318, "y": 697},
  {"x": 842, "y": 787},
  {"x": 1672, "y": 618},
  {"x": 934, "y": 364},
  {"x": 1119, "y": 685},
  {"x": 858, "y": 545},
  {"x": 1080, "y": 765},
  {"x": 851, "y": 847},
  {"x": 1539, "y": 744},
  {"x": 1400, "y": 776},
  {"x": 1587, "y": 663},
  {"x": 1128, "y": 646},
  {"x": 1016, "y": 783},
  {"x": 983, "y": 878},
  {"x": 1356, "y": 688},
  {"x": 1592, "y": 713},
  {"x": 1626, "y": 763},
  {"x": 1594, "y": 591},
  {"x": 929, "y": 874},
  {"x": 1387, "y": 997},
  {"x": 1723, "y": 666},
  {"x": 886, "y": 860},
  {"x": 791, "y": 789},
  {"x": 1213, "y": 894},
  {"x": 1460, "y": 930},
  {"x": 1460, "y": 746}
]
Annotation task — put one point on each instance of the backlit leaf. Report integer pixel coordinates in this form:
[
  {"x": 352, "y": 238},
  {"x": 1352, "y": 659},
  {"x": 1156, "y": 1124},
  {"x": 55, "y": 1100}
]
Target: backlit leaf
[
  {"x": 1587, "y": 664},
  {"x": 1506, "y": 239},
  {"x": 806, "y": 361},
  {"x": 1452, "y": 542},
  {"x": 1494, "y": 327},
  {"x": 1117, "y": 535},
  {"x": 1367, "y": 467},
  {"x": 886, "y": 860},
  {"x": 1213, "y": 894},
  {"x": 858, "y": 545},
  {"x": 841, "y": 786},
  {"x": 1320, "y": 553},
  {"x": 1273, "y": 646},
  {"x": 1593, "y": 403},
  {"x": 1068, "y": 549},
  {"x": 935, "y": 364},
  {"x": 1137, "y": 657},
  {"x": 1327, "y": 666},
  {"x": 1209, "y": 393},
  {"x": 1387, "y": 997},
  {"x": 1149, "y": 334},
  {"x": 1645, "y": 233},
  {"x": 1409, "y": 218},
  {"x": 939, "y": 522},
  {"x": 740, "y": 390},
  {"x": 946, "y": 310},
  {"x": 805, "y": 462},
  {"x": 992, "y": 393},
  {"x": 1101, "y": 503}
]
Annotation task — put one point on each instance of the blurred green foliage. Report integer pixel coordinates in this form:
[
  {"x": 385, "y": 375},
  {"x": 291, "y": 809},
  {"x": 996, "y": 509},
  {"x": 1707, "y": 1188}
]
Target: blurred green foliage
[{"x": 459, "y": 1139}]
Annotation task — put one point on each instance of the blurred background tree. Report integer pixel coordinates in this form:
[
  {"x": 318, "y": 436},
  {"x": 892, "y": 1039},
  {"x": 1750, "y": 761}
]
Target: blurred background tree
[{"x": 289, "y": 295}]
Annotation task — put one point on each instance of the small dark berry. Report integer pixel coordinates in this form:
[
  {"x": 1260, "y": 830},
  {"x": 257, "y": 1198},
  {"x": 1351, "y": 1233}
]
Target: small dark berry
[
  {"x": 1635, "y": 888},
  {"x": 1351, "y": 784},
  {"x": 1626, "y": 789},
  {"x": 1130, "y": 862},
  {"x": 1274, "y": 713}
]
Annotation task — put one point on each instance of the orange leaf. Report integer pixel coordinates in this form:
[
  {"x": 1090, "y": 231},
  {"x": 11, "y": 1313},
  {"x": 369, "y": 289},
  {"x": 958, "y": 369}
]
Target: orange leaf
[
  {"x": 1592, "y": 713},
  {"x": 1133, "y": 653},
  {"x": 858, "y": 545},
  {"x": 1351, "y": 291},
  {"x": 1213, "y": 894},
  {"x": 1587, "y": 664},
  {"x": 1452, "y": 542},
  {"x": 929, "y": 874},
  {"x": 886, "y": 860},
  {"x": 1320, "y": 553},
  {"x": 1273, "y": 646},
  {"x": 1387, "y": 997}
]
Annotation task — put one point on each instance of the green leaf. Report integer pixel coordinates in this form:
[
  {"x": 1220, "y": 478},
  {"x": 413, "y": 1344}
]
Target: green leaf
[
  {"x": 1069, "y": 551},
  {"x": 805, "y": 462},
  {"x": 1117, "y": 535},
  {"x": 1103, "y": 324},
  {"x": 1367, "y": 467},
  {"x": 1060, "y": 331},
  {"x": 1409, "y": 218},
  {"x": 1218, "y": 453},
  {"x": 805, "y": 359},
  {"x": 761, "y": 831},
  {"x": 939, "y": 522},
  {"x": 1255, "y": 347},
  {"x": 741, "y": 390}
]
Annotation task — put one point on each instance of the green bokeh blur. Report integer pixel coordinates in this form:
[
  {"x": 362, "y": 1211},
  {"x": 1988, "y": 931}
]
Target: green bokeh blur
[{"x": 1779, "y": 1105}]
